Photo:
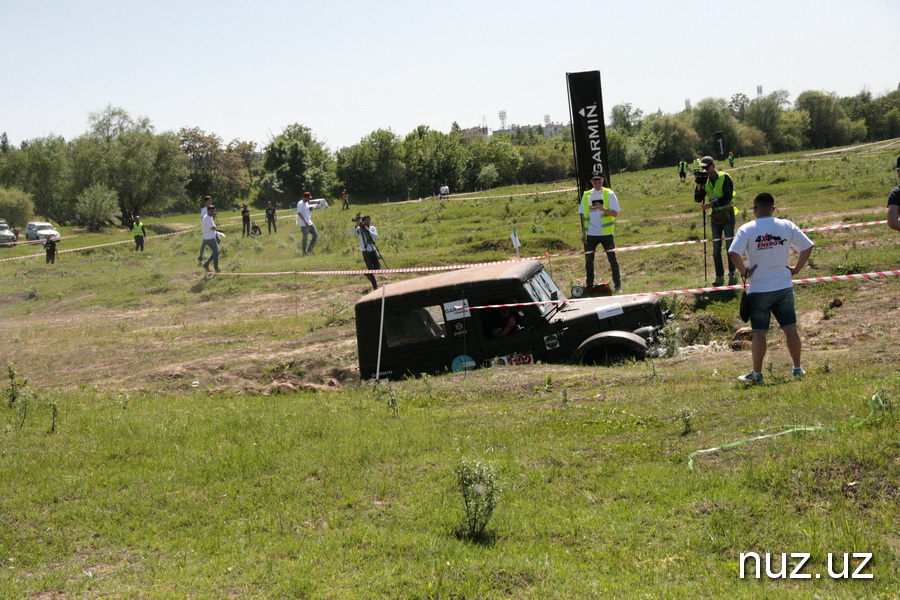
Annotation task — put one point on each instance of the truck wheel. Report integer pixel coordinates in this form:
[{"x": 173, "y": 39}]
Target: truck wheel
[{"x": 613, "y": 353}]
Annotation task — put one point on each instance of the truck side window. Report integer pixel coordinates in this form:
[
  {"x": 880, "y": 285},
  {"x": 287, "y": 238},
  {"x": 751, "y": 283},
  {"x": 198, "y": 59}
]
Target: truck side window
[{"x": 415, "y": 325}]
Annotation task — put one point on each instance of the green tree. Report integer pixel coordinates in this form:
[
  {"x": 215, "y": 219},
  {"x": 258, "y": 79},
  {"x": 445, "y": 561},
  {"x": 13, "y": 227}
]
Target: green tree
[
  {"x": 792, "y": 132},
  {"x": 499, "y": 151},
  {"x": 16, "y": 206},
  {"x": 625, "y": 118},
  {"x": 431, "y": 159},
  {"x": 215, "y": 170},
  {"x": 828, "y": 121},
  {"x": 543, "y": 162},
  {"x": 296, "y": 162},
  {"x": 487, "y": 177},
  {"x": 738, "y": 106},
  {"x": 712, "y": 115},
  {"x": 43, "y": 170},
  {"x": 675, "y": 139},
  {"x": 373, "y": 169},
  {"x": 148, "y": 171},
  {"x": 96, "y": 205},
  {"x": 764, "y": 113}
]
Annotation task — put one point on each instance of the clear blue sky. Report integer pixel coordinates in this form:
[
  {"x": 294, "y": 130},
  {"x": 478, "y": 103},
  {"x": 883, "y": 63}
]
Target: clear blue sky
[{"x": 246, "y": 70}]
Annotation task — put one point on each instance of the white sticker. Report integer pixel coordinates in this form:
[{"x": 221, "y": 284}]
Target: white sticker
[
  {"x": 610, "y": 310},
  {"x": 458, "y": 309}
]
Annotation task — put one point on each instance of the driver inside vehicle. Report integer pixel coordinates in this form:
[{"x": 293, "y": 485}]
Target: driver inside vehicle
[{"x": 501, "y": 321}]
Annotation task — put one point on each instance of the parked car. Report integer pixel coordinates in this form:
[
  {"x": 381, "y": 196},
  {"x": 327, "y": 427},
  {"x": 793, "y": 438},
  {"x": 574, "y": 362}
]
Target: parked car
[
  {"x": 39, "y": 230},
  {"x": 7, "y": 235},
  {"x": 429, "y": 327},
  {"x": 317, "y": 203}
]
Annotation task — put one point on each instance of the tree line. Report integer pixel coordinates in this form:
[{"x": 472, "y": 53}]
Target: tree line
[{"x": 122, "y": 167}]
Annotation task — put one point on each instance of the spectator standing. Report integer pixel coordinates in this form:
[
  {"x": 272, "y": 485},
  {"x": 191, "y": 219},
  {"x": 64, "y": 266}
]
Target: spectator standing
[
  {"x": 345, "y": 200},
  {"x": 767, "y": 243},
  {"x": 598, "y": 211},
  {"x": 138, "y": 231},
  {"x": 367, "y": 235},
  {"x": 682, "y": 170},
  {"x": 245, "y": 220},
  {"x": 50, "y": 248},
  {"x": 893, "y": 205},
  {"x": 271, "y": 219},
  {"x": 304, "y": 219},
  {"x": 210, "y": 238},
  {"x": 719, "y": 191},
  {"x": 207, "y": 202}
]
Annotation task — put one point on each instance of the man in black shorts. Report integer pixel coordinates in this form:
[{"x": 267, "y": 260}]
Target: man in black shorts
[{"x": 893, "y": 205}]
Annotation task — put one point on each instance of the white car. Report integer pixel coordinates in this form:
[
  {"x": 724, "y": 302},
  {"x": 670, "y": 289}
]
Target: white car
[
  {"x": 318, "y": 203},
  {"x": 7, "y": 237},
  {"x": 39, "y": 230}
]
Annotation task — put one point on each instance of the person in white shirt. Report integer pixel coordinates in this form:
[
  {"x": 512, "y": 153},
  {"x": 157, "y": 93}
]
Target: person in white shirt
[
  {"x": 210, "y": 237},
  {"x": 304, "y": 220},
  {"x": 367, "y": 236},
  {"x": 598, "y": 210},
  {"x": 207, "y": 202},
  {"x": 767, "y": 242}
]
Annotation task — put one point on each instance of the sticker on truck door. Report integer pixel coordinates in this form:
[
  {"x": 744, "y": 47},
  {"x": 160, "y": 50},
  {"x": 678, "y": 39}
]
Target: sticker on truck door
[
  {"x": 462, "y": 362},
  {"x": 458, "y": 309}
]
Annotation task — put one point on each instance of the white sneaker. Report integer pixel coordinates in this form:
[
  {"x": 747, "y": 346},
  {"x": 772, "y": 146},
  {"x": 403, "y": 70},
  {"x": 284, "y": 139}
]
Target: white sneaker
[{"x": 751, "y": 378}]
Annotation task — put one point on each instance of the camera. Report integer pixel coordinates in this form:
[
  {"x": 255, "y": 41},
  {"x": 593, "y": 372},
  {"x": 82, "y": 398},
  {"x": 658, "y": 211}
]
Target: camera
[
  {"x": 700, "y": 176},
  {"x": 357, "y": 218}
]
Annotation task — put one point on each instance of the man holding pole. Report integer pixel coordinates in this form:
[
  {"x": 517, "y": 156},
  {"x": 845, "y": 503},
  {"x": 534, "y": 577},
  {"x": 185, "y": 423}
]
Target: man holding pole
[{"x": 715, "y": 194}]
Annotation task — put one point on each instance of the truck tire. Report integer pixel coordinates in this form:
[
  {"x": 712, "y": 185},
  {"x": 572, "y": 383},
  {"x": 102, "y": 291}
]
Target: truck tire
[{"x": 610, "y": 348}]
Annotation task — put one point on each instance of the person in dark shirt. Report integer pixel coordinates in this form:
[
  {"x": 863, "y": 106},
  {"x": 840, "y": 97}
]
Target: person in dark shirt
[
  {"x": 271, "y": 219},
  {"x": 893, "y": 205},
  {"x": 245, "y": 217},
  {"x": 52, "y": 252}
]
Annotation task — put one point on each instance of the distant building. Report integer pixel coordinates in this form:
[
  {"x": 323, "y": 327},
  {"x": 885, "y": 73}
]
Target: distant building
[
  {"x": 547, "y": 130},
  {"x": 475, "y": 132}
]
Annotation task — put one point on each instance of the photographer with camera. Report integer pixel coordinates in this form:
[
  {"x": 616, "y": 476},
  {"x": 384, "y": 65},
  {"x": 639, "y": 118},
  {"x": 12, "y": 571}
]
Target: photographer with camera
[
  {"x": 367, "y": 234},
  {"x": 718, "y": 188},
  {"x": 598, "y": 210}
]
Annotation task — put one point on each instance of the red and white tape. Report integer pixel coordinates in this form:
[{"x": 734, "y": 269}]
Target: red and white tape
[{"x": 718, "y": 288}]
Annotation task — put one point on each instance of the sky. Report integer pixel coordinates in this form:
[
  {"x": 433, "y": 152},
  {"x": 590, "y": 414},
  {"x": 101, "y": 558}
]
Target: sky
[{"x": 246, "y": 70}]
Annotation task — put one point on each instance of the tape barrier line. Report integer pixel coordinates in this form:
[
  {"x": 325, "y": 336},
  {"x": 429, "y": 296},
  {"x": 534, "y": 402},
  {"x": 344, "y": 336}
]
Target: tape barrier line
[
  {"x": 877, "y": 404},
  {"x": 464, "y": 266},
  {"x": 470, "y": 195},
  {"x": 718, "y": 288}
]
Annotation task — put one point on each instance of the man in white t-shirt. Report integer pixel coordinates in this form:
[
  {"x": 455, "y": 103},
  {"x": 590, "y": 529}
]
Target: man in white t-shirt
[
  {"x": 210, "y": 237},
  {"x": 598, "y": 210},
  {"x": 304, "y": 220},
  {"x": 207, "y": 202},
  {"x": 767, "y": 242}
]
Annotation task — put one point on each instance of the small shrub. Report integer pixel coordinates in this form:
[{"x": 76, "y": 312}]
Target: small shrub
[{"x": 478, "y": 484}]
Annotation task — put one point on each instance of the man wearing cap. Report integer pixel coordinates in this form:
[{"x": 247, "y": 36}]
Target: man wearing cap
[
  {"x": 137, "y": 230},
  {"x": 271, "y": 219},
  {"x": 210, "y": 237},
  {"x": 304, "y": 219},
  {"x": 893, "y": 205},
  {"x": 767, "y": 242},
  {"x": 598, "y": 210},
  {"x": 719, "y": 191}
]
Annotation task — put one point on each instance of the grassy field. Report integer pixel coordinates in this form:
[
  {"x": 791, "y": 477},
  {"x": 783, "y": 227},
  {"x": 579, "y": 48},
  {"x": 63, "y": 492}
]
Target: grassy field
[{"x": 185, "y": 436}]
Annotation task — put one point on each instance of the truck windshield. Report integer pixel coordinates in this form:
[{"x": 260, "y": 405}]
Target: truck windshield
[{"x": 541, "y": 288}]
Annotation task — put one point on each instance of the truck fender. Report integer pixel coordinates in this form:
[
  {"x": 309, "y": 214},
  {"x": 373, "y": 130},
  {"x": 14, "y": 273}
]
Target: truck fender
[{"x": 608, "y": 346}]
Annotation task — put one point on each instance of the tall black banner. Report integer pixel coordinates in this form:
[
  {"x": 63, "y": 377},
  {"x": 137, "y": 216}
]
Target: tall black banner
[
  {"x": 720, "y": 144},
  {"x": 588, "y": 127}
]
